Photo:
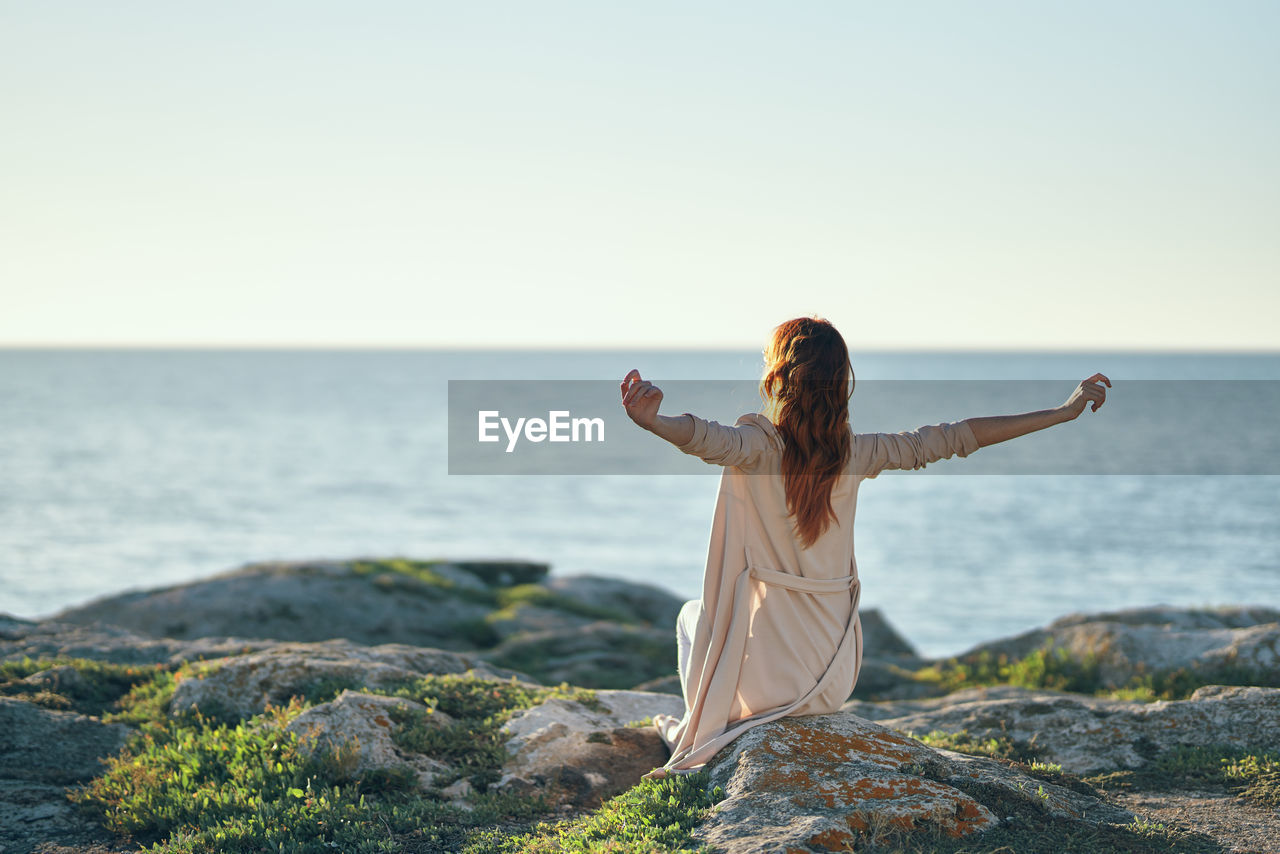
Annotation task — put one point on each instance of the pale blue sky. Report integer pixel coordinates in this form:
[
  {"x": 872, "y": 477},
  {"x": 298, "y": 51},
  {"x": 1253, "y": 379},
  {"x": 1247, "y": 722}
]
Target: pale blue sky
[{"x": 975, "y": 175}]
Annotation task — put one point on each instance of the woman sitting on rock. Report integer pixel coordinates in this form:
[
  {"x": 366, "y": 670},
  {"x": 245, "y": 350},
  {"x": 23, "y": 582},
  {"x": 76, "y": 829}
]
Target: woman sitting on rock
[{"x": 776, "y": 631}]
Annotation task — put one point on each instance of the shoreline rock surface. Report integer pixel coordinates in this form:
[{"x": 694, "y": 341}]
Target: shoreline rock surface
[{"x": 800, "y": 784}]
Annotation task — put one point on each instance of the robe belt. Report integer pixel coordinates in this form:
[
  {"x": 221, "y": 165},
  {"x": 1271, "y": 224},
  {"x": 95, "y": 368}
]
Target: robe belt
[{"x": 798, "y": 582}]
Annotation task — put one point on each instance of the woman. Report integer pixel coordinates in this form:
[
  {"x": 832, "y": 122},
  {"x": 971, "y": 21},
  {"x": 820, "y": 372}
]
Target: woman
[{"x": 776, "y": 631}]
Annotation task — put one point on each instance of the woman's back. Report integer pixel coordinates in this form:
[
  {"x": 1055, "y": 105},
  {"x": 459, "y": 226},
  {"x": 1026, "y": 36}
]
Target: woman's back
[{"x": 778, "y": 631}]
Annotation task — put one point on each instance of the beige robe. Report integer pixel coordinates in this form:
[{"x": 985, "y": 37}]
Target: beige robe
[{"x": 778, "y": 633}]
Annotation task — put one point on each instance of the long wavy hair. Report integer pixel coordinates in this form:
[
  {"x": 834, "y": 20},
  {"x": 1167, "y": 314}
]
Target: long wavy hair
[{"x": 806, "y": 385}]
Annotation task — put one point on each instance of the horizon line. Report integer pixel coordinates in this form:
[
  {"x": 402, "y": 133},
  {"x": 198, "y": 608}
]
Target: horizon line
[{"x": 559, "y": 348}]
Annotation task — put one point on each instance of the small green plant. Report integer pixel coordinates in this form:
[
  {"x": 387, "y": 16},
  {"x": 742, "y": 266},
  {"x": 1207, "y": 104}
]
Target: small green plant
[
  {"x": 1050, "y": 668},
  {"x": 1253, "y": 775},
  {"x": 1045, "y": 767},
  {"x": 654, "y": 816},
  {"x": 997, "y": 747}
]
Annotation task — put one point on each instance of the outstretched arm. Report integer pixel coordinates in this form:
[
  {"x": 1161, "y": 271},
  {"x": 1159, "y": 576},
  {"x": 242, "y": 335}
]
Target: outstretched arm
[
  {"x": 1000, "y": 428},
  {"x": 642, "y": 398},
  {"x": 742, "y": 446}
]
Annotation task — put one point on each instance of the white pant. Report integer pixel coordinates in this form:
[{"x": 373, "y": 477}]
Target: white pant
[{"x": 686, "y": 625}]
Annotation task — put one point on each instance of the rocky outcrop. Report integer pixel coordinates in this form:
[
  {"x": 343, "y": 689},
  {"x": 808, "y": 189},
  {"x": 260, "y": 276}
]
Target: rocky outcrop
[
  {"x": 597, "y": 655},
  {"x": 1209, "y": 642},
  {"x": 356, "y": 732},
  {"x": 339, "y": 631},
  {"x": 243, "y": 685},
  {"x": 641, "y": 602},
  {"x": 46, "y": 639},
  {"x": 302, "y": 601},
  {"x": 466, "y": 606},
  {"x": 582, "y": 753},
  {"x": 1088, "y": 734},
  {"x": 51, "y": 746},
  {"x": 817, "y": 784},
  {"x": 41, "y": 752},
  {"x": 571, "y": 752}
]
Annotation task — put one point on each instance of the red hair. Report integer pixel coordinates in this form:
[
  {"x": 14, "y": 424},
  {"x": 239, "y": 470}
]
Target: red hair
[{"x": 807, "y": 380}]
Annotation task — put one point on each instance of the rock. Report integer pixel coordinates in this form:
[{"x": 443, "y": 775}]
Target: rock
[
  {"x": 99, "y": 642},
  {"x": 356, "y": 730},
  {"x": 884, "y": 709},
  {"x": 581, "y": 754},
  {"x": 885, "y": 679},
  {"x": 636, "y": 602},
  {"x": 38, "y": 817},
  {"x": 880, "y": 640},
  {"x": 662, "y": 685},
  {"x": 62, "y": 679},
  {"x": 1213, "y": 643},
  {"x": 243, "y": 685},
  {"x": 301, "y": 601},
  {"x": 526, "y": 619},
  {"x": 459, "y": 577},
  {"x": 504, "y": 573},
  {"x": 1088, "y": 734},
  {"x": 41, "y": 752},
  {"x": 48, "y": 746},
  {"x": 814, "y": 784},
  {"x": 598, "y": 655}
]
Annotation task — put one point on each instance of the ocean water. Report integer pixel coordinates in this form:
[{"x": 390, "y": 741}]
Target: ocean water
[{"x": 128, "y": 469}]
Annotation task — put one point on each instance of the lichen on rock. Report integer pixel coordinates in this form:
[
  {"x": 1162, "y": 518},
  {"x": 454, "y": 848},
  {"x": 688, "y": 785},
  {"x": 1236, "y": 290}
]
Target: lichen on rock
[{"x": 822, "y": 782}]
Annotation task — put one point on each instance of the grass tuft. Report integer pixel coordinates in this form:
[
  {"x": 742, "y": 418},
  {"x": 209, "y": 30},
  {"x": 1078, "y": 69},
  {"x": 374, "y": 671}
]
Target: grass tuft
[{"x": 654, "y": 816}]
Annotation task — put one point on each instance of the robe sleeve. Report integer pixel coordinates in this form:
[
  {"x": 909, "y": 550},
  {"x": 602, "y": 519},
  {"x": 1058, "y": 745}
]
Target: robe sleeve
[
  {"x": 744, "y": 445},
  {"x": 912, "y": 449}
]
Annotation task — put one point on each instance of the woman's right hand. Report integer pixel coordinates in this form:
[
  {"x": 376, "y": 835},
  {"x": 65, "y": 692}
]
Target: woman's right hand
[
  {"x": 1089, "y": 391},
  {"x": 641, "y": 399}
]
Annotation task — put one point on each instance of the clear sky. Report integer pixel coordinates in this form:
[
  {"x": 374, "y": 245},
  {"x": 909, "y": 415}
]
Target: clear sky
[{"x": 933, "y": 174}]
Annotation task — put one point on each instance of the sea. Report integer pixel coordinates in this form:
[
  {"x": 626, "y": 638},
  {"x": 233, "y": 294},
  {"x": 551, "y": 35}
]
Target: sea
[{"x": 128, "y": 469}]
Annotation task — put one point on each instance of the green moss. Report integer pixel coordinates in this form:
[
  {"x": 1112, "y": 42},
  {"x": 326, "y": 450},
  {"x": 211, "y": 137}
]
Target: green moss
[
  {"x": 1056, "y": 669},
  {"x": 387, "y": 575},
  {"x": 654, "y": 816},
  {"x": 511, "y": 598},
  {"x": 93, "y": 688}
]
